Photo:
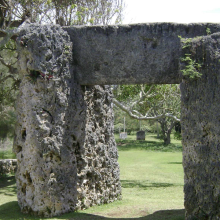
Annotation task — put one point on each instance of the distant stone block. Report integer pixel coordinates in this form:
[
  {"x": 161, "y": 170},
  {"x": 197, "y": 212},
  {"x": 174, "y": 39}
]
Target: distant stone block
[
  {"x": 140, "y": 135},
  {"x": 123, "y": 135},
  {"x": 8, "y": 166}
]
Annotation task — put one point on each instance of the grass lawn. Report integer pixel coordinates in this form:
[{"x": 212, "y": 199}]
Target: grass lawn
[
  {"x": 6, "y": 150},
  {"x": 152, "y": 185}
]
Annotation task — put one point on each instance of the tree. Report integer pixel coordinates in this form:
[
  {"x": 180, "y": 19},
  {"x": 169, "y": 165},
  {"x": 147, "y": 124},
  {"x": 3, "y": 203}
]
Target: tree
[
  {"x": 90, "y": 12},
  {"x": 131, "y": 125},
  {"x": 14, "y": 13},
  {"x": 156, "y": 102}
]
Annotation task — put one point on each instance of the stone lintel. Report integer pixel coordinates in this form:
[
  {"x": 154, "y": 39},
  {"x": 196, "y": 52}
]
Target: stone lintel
[{"x": 131, "y": 54}]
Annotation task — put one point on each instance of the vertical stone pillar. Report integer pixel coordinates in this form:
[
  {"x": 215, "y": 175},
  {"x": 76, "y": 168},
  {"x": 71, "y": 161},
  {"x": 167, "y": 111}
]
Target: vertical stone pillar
[
  {"x": 201, "y": 130},
  {"x": 97, "y": 156},
  {"x": 45, "y": 139},
  {"x": 66, "y": 152}
]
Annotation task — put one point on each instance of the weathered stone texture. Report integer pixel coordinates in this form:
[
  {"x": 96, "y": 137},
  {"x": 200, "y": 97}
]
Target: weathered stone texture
[
  {"x": 200, "y": 122},
  {"x": 98, "y": 169},
  {"x": 66, "y": 160},
  {"x": 131, "y": 54},
  {"x": 8, "y": 166},
  {"x": 47, "y": 170}
]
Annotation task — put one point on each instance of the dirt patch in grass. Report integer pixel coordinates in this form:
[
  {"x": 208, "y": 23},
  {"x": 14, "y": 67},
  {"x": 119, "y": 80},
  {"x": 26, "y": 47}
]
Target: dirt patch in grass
[{"x": 133, "y": 212}]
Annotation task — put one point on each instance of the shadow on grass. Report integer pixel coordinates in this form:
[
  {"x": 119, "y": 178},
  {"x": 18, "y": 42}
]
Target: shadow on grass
[
  {"x": 6, "y": 181},
  {"x": 178, "y": 214},
  {"x": 144, "y": 184},
  {"x": 11, "y": 211},
  {"x": 124, "y": 145},
  {"x": 175, "y": 163}
]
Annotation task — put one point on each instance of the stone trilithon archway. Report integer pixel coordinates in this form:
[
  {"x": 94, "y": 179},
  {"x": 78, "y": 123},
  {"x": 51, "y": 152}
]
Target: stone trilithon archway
[{"x": 67, "y": 156}]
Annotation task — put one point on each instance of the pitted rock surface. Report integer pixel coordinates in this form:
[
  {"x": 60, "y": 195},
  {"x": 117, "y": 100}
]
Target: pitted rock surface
[
  {"x": 98, "y": 169},
  {"x": 47, "y": 169},
  {"x": 200, "y": 123},
  {"x": 55, "y": 133}
]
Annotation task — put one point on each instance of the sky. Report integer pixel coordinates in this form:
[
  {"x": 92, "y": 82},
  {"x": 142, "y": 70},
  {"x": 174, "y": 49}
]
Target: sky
[{"x": 178, "y": 11}]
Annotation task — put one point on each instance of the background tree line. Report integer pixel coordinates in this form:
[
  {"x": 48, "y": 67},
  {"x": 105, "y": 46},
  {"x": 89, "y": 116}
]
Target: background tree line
[{"x": 151, "y": 103}]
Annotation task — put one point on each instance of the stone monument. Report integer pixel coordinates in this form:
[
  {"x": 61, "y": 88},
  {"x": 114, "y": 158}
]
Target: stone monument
[{"x": 66, "y": 152}]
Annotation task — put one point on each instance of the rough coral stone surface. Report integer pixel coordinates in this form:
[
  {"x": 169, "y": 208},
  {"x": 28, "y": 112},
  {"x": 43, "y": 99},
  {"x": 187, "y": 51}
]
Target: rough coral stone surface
[
  {"x": 98, "y": 169},
  {"x": 66, "y": 160},
  {"x": 47, "y": 172},
  {"x": 200, "y": 131}
]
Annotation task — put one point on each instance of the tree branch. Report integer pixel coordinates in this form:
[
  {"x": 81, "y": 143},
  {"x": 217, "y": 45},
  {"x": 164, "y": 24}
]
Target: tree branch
[
  {"x": 7, "y": 35},
  {"x": 140, "y": 116},
  {"x": 143, "y": 96}
]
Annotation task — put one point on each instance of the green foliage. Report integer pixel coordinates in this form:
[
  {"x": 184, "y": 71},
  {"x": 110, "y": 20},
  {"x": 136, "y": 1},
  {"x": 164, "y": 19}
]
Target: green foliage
[
  {"x": 153, "y": 100},
  {"x": 7, "y": 123},
  {"x": 208, "y": 31},
  {"x": 185, "y": 41},
  {"x": 131, "y": 125},
  {"x": 155, "y": 127},
  {"x": 85, "y": 12},
  {"x": 191, "y": 67},
  {"x": 118, "y": 128},
  {"x": 61, "y": 12},
  {"x": 9, "y": 84},
  {"x": 177, "y": 135},
  {"x": 34, "y": 75},
  {"x": 126, "y": 92}
]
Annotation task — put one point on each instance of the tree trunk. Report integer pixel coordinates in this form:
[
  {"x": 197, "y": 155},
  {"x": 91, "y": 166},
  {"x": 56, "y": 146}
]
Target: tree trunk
[
  {"x": 166, "y": 138},
  {"x": 166, "y": 131}
]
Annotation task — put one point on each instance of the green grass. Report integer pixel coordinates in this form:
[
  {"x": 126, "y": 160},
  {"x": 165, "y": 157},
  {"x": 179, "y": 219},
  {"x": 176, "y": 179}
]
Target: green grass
[
  {"x": 152, "y": 187},
  {"x": 7, "y": 154},
  {"x": 6, "y": 150},
  {"x": 151, "y": 143}
]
